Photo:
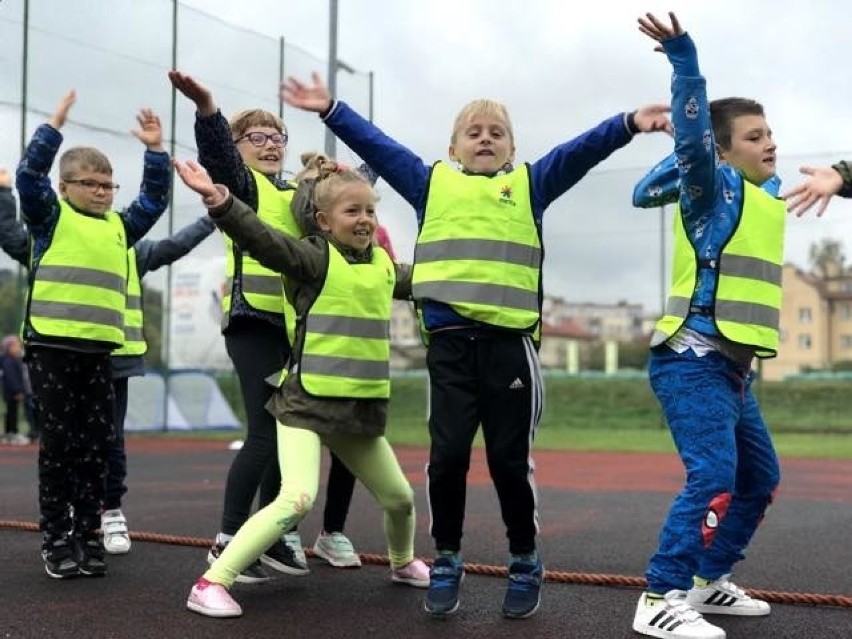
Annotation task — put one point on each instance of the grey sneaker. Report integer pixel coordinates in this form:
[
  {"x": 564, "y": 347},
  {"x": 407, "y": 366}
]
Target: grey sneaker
[
  {"x": 337, "y": 550},
  {"x": 254, "y": 574}
]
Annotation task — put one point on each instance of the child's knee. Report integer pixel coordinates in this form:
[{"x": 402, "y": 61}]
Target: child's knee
[
  {"x": 294, "y": 507},
  {"x": 399, "y": 500}
]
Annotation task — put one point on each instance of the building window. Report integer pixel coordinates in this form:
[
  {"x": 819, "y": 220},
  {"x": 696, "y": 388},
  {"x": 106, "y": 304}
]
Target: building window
[
  {"x": 805, "y": 315},
  {"x": 846, "y": 342},
  {"x": 805, "y": 341},
  {"x": 846, "y": 311},
  {"x": 782, "y": 335}
]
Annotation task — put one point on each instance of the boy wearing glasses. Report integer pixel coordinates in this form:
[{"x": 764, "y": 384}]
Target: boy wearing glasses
[
  {"x": 246, "y": 155},
  {"x": 75, "y": 319}
]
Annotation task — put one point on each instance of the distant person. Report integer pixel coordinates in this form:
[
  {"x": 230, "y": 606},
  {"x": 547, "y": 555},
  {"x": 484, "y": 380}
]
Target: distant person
[
  {"x": 336, "y": 389},
  {"x": 722, "y": 311},
  {"x": 14, "y": 390},
  {"x": 75, "y": 319},
  {"x": 477, "y": 281}
]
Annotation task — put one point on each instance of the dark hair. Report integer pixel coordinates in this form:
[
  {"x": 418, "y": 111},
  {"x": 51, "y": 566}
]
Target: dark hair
[{"x": 724, "y": 111}]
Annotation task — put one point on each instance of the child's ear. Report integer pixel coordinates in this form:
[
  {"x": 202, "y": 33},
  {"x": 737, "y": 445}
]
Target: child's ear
[{"x": 322, "y": 221}]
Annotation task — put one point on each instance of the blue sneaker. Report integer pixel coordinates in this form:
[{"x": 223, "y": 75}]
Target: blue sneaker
[
  {"x": 523, "y": 593},
  {"x": 442, "y": 598}
]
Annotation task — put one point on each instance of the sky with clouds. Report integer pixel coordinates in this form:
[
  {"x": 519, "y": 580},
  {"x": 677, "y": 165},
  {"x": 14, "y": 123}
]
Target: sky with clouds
[{"x": 558, "y": 70}]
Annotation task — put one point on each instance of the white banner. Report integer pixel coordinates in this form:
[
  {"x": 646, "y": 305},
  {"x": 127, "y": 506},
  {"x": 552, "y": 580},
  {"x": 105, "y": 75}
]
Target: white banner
[{"x": 195, "y": 338}]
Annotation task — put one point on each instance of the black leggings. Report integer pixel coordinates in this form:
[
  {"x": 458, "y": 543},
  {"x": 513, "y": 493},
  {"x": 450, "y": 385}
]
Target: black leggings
[{"x": 258, "y": 349}]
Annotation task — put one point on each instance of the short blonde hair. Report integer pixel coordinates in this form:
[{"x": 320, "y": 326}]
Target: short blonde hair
[
  {"x": 242, "y": 121},
  {"x": 484, "y": 107},
  {"x": 83, "y": 158}
]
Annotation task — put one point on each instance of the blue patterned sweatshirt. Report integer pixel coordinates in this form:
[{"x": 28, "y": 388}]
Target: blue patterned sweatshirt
[
  {"x": 407, "y": 174},
  {"x": 710, "y": 193}
]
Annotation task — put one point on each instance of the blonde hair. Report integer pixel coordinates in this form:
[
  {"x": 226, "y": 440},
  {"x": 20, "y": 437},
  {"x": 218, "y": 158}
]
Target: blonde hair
[
  {"x": 482, "y": 107},
  {"x": 83, "y": 158},
  {"x": 320, "y": 191},
  {"x": 311, "y": 161},
  {"x": 242, "y": 121}
]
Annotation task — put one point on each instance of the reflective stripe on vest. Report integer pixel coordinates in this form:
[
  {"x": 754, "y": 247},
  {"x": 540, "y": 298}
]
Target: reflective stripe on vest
[
  {"x": 134, "y": 338},
  {"x": 262, "y": 288},
  {"x": 79, "y": 284},
  {"x": 479, "y": 249},
  {"x": 346, "y": 351},
  {"x": 747, "y": 306}
]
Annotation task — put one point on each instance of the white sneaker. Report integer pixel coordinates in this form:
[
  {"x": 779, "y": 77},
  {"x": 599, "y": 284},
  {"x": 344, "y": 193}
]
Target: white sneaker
[
  {"x": 294, "y": 541},
  {"x": 722, "y": 597},
  {"x": 116, "y": 535},
  {"x": 673, "y": 618},
  {"x": 337, "y": 550}
]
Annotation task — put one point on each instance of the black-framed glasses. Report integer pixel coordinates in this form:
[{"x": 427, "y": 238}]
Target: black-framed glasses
[
  {"x": 93, "y": 185},
  {"x": 256, "y": 138}
]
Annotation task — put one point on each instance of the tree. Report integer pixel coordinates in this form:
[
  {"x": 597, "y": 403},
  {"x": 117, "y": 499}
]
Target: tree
[{"x": 827, "y": 257}]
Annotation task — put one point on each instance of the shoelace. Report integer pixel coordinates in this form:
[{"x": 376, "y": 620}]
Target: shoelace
[{"x": 341, "y": 543}]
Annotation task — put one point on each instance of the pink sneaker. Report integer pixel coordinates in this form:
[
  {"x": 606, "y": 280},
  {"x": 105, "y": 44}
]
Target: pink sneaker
[
  {"x": 212, "y": 600},
  {"x": 414, "y": 573}
]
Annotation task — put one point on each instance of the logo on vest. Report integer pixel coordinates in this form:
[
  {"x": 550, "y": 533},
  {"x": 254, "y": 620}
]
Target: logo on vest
[{"x": 506, "y": 195}]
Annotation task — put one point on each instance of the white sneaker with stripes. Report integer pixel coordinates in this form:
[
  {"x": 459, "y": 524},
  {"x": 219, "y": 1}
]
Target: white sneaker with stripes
[
  {"x": 722, "y": 597},
  {"x": 672, "y": 618}
]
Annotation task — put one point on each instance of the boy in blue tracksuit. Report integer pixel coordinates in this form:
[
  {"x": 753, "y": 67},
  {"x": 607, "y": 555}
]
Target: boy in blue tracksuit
[
  {"x": 477, "y": 282},
  {"x": 149, "y": 255},
  {"x": 722, "y": 311}
]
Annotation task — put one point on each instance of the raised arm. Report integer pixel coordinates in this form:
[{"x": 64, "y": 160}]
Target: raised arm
[
  {"x": 823, "y": 183},
  {"x": 568, "y": 163},
  {"x": 695, "y": 147},
  {"x": 153, "y": 198},
  {"x": 39, "y": 203},
  {"x": 400, "y": 167},
  {"x": 217, "y": 151},
  {"x": 301, "y": 260}
]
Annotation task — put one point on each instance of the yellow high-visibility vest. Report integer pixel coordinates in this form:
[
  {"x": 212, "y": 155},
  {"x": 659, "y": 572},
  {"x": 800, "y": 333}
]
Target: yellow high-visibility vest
[
  {"x": 79, "y": 286},
  {"x": 747, "y": 305}
]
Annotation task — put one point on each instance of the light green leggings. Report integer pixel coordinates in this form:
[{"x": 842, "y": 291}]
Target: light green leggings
[{"x": 370, "y": 459}]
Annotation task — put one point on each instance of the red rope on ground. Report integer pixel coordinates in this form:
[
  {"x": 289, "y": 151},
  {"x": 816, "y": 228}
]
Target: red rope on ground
[{"x": 551, "y": 576}]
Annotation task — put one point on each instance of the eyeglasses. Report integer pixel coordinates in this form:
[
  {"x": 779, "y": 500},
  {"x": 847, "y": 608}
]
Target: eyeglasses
[
  {"x": 93, "y": 185},
  {"x": 259, "y": 139}
]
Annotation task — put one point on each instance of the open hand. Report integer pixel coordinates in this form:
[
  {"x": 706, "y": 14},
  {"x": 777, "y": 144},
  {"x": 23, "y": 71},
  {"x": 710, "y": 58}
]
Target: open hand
[
  {"x": 60, "y": 115},
  {"x": 5, "y": 178},
  {"x": 195, "y": 91},
  {"x": 651, "y": 26},
  {"x": 150, "y": 131},
  {"x": 314, "y": 97},
  {"x": 653, "y": 117},
  {"x": 824, "y": 182},
  {"x": 196, "y": 177}
]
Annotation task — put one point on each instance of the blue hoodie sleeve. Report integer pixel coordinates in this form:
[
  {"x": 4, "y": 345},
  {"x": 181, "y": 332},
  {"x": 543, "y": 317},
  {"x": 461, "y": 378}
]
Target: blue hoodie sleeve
[
  {"x": 660, "y": 186},
  {"x": 153, "y": 197},
  {"x": 565, "y": 165},
  {"x": 401, "y": 168},
  {"x": 695, "y": 145}
]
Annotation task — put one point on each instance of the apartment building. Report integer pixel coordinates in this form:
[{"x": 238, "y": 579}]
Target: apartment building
[{"x": 816, "y": 322}]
